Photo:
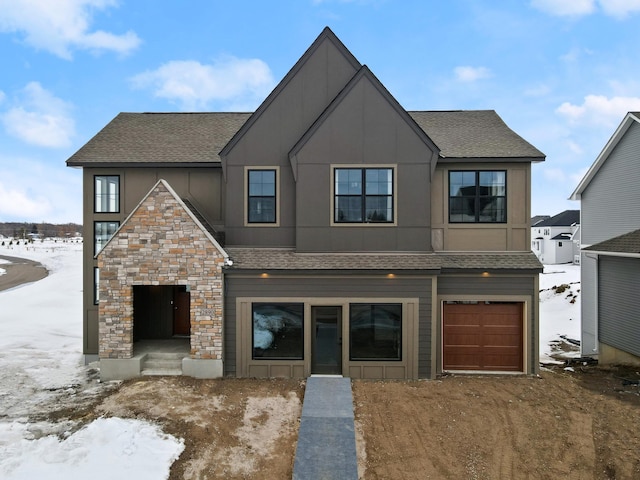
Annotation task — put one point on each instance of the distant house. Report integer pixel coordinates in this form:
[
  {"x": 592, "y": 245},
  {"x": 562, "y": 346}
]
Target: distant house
[
  {"x": 538, "y": 218},
  {"x": 331, "y": 231},
  {"x": 610, "y": 257},
  {"x": 556, "y": 239}
]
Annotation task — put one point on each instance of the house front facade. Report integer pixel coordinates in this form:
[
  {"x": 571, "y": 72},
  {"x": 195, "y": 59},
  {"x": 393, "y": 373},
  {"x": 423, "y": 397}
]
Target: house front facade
[
  {"x": 556, "y": 239},
  {"x": 610, "y": 256},
  {"x": 331, "y": 231}
]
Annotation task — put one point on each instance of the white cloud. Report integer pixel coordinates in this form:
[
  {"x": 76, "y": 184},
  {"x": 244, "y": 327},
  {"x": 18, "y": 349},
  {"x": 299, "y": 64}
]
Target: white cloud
[
  {"x": 471, "y": 74},
  {"x": 620, "y": 8},
  {"x": 41, "y": 119},
  {"x": 554, "y": 174},
  {"x": 195, "y": 85},
  {"x": 577, "y": 8},
  {"x": 599, "y": 110},
  {"x": 16, "y": 203},
  {"x": 565, "y": 8},
  {"x": 62, "y": 25}
]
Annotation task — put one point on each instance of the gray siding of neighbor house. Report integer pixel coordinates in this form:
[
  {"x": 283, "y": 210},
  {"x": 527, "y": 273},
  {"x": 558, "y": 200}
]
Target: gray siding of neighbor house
[
  {"x": 610, "y": 202},
  {"x": 271, "y": 136},
  {"x": 202, "y": 186},
  {"x": 363, "y": 130},
  {"x": 499, "y": 287},
  {"x": 588, "y": 304},
  {"x": 329, "y": 287},
  {"x": 619, "y": 303}
]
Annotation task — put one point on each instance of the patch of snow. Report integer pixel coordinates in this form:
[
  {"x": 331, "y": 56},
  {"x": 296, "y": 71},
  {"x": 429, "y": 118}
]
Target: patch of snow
[
  {"x": 41, "y": 368},
  {"x": 106, "y": 448},
  {"x": 559, "y": 312},
  {"x": 2, "y": 271}
]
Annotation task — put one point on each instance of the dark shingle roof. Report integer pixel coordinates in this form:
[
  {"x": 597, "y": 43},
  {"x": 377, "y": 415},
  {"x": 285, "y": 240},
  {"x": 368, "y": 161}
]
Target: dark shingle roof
[
  {"x": 627, "y": 243},
  {"x": 273, "y": 259},
  {"x": 563, "y": 219},
  {"x": 474, "y": 134},
  {"x": 160, "y": 138},
  {"x": 197, "y": 138},
  {"x": 538, "y": 218}
]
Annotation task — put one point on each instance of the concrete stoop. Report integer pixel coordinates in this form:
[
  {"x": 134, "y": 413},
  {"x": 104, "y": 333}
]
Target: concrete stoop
[{"x": 158, "y": 363}]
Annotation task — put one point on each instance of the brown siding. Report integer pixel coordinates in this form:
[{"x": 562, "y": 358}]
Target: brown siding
[
  {"x": 515, "y": 235},
  {"x": 270, "y": 138},
  {"x": 364, "y": 129},
  {"x": 329, "y": 287}
]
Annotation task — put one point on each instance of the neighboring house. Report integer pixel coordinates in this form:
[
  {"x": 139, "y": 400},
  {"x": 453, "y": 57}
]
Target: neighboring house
[
  {"x": 538, "y": 218},
  {"x": 555, "y": 239},
  {"x": 330, "y": 231},
  {"x": 610, "y": 263}
]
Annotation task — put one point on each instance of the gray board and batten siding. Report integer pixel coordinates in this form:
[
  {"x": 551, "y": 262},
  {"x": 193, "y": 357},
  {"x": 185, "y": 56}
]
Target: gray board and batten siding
[
  {"x": 619, "y": 303},
  {"x": 610, "y": 202},
  {"x": 329, "y": 286}
]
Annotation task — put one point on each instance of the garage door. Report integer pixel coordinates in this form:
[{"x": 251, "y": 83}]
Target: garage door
[{"x": 482, "y": 336}]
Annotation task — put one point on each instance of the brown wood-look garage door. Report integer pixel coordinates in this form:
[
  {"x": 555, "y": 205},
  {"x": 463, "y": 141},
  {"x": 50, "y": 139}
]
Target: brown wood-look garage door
[{"x": 482, "y": 336}]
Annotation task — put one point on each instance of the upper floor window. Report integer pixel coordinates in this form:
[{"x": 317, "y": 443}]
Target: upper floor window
[
  {"x": 363, "y": 195},
  {"x": 261, "y": 205},
  {"x": 477, "y": 196},
  {"x": 107, "y": 194}
]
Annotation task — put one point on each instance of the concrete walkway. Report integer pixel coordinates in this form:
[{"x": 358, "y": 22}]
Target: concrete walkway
[
  {"x": 19, "y": 271},
  {"x": 326, "y": 441}
]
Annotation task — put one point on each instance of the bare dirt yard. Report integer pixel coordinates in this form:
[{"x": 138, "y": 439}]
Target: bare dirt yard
[{"x": 562, "y": 424}]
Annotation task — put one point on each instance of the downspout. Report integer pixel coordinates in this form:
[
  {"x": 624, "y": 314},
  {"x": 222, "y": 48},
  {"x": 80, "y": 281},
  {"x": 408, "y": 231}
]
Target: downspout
[{"x": 596, "y": 288}]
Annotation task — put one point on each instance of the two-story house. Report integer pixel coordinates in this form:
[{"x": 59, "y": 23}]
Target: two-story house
[
  {"x": 329, "y": 231},
  {"x": 555, "y": 240},
  {"x": 610, "y": 263}
]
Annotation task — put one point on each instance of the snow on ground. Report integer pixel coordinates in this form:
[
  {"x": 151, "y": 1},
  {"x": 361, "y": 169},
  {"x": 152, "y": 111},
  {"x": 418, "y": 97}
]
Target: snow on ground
[
  {"x": 41, "y": 367},
  {"x": 559, "y": 317}
]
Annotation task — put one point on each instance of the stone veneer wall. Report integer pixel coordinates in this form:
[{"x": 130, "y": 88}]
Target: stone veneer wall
[{"x": 160, "y": 244}]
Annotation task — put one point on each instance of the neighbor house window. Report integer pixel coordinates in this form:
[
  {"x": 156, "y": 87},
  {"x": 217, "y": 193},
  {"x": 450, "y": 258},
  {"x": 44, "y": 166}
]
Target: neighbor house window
[
  {"x": 96, "y": 285},
  {"x": 375, "y": 331},
  {"x": 363, "y": 195},
  {"x": 278, "y": 331},
  {"x": 477, "y": 196},
  {"x": 107, "y": 191},
  {"x": 262, "y": 196},
  {"x": 103, "y": 231}
]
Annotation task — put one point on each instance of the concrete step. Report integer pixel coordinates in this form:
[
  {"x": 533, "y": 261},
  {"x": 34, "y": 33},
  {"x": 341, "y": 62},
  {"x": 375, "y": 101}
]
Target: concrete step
[
  {"x": 158, "y": 363},
  {"x": 161, "y": 371}
]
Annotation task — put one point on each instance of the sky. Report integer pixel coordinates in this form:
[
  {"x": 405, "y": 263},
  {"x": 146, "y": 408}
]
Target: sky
[{"x": 561, "y": 73}]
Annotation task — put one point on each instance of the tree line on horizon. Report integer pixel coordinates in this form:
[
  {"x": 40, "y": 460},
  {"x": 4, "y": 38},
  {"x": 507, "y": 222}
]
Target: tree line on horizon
[{"x": 26, "y": 230}]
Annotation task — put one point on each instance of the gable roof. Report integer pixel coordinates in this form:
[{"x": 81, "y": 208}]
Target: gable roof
[
  {"x": 160, "y": 139},
  {"x": 163, "y": 184},
  {"x": 364, "y": 72},
  {"x": 326, "y": 35},
  {"x": 628, "y": 120},
  {"x": 463, "y": 134},
  {"x": 629, "y": 243},
  {"x": 562, "y": 219}
]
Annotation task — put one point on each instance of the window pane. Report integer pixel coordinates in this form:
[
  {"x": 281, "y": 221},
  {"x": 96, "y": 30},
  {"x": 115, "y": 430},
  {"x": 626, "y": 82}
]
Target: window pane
[
  {"x": 462, "y": 209},
  {"x": 379, "y": 209},
  {"x": 348, "y": 209},
  {"x": 103, "y": 231},
  {"x": 375, "y": 331},
  {"x": 348, "y": 181},
  {"x": 492, "y": 183},
  {"x": 278, "y": 330},
  {"x": 107, "y": 193},
  {"x": 262, "y": 209},
  {"x": 379, "y": 181},
  {"x": 492, "y": 209},
  {"x": 96, "y": 282}
]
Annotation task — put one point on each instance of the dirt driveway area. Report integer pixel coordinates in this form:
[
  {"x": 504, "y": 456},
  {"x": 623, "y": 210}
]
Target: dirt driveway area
[{"x": 562, "y": 424}]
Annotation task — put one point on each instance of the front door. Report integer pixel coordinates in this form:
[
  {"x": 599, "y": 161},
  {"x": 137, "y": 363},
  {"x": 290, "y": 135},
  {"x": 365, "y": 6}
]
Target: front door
[
  {"x": 181, "y": 314},
  {"x": 326, "y": 340}
]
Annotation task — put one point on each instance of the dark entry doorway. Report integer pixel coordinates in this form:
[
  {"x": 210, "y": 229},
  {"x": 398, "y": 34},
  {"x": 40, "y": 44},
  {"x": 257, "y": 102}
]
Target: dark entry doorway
[
  {"x": 326, "y": 340},
  {"x": 160, "y": 312}
]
